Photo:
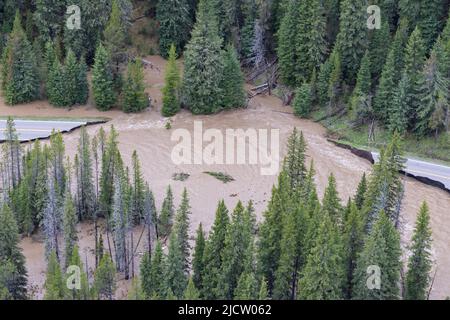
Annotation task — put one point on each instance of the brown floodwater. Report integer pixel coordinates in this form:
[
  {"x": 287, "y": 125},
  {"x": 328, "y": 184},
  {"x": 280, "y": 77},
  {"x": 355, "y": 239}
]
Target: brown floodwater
[{"x": 146, "y": 133}]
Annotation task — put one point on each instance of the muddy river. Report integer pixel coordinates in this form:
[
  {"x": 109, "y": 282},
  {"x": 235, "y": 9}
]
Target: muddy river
[{"x": 146, "y": 133}]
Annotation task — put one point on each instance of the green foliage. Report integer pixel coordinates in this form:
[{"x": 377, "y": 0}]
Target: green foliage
[
  {"x": 102, "y": 80},
  {"x": 175, "y": 275},
  {"x": 352, "y": 40},
  {"x": 105, "y": 279},
  {"x": 301, "y": 41},
  {"x": 54, "y": 282},
  {"x": 198, "y": 262},
  {"x": 382, "y": 250},
  {"x": 234, "y": 95},
  {"x": 203, "y": 65},
  {"x": 166, "y": 217},
  {"x": 13, "y": 278},
  {"x": 134, "y": 97},
  {"x": 214, "y": 253},
  {"x": 419, "y": 265},
  {"x": 170, "y": 91},
  {"x": 19, "y": 73},
  {"x": 303, "y": 101},
  {"x": 175, "y": 24}
]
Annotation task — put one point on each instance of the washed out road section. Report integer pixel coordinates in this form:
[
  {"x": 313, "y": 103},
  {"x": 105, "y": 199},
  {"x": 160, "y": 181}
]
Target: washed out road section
[
  {"x": 428, "y": 170},
  {"x": 38, "y": 129}
]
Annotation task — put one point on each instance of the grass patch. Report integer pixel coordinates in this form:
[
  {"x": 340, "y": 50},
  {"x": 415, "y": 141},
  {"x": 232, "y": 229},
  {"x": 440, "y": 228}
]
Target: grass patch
[
  {"x": 224, "y": 177},
  {"x": 181, "y": 176},
  {"x": 428, "y": 148}
]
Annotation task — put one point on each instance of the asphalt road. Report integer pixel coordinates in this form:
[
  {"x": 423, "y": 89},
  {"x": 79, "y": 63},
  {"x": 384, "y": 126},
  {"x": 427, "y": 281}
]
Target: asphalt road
[
  {"x": 429, "y": 170},
  {"x": 33, "y": 129}
]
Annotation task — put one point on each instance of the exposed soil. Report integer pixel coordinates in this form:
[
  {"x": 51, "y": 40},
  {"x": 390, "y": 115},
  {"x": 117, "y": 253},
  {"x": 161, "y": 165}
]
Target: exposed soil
[{"x": 145, "y": 133}]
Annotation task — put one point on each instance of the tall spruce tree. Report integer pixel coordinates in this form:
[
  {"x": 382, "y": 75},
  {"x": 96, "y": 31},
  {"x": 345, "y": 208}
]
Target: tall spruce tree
[
  {"x": 11, "y": 256},
  {"x": 102, "y": 80},
  {"x": 198, "y": 262},
  {"x": 105, "y": 279},
  {"x": 20, "y": 77},
  {"x": 175, "y": 24},
  {"x": 323, "y": 275},
  {"x": 214, "y": 252},
  {"x": 69, "y": 227},
  {"x": 165, "y": 220},
  {"x": 419, "y": 265},
  {"x": 352, "y": 40},
  {"x": 381, "y": 250},
  {"x": 171, "y": 89},
  {"x": 390, "y": 76},
  {"x": 54, "y": 282},
  {"x": 234, "y": 95},
  {"x": 175, "y": 276},
  {"x": 181, "y": 228},
  {"x": 203, "y": 65},
  {"x": 134, "y": 97}
]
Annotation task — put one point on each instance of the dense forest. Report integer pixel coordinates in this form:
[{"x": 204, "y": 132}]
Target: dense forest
[{"x": 327, "y": 58}]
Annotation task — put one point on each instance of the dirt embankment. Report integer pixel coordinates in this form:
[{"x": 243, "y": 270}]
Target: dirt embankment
[{"x": 146, "y": 134}]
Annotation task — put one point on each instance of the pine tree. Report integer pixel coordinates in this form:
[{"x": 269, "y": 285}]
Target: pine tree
[
  {"x": 57, "y": 85},
  {"x": 48, "y": 18},
  {"x": 234, "y": 95},
  {"x": 323, "y": 81},
  {"x": 414, "y": 63},
  {"x": 203, "y": 65},
  {"x": 81, "y": 293},
  {"x": 175, "y": 275},
  {"x": 11, "y": 255},
  {"x": 419, "y": 264},
  {"x": 335, "y": 82},
  {"x": 134, "y": 97},
  {"x": 70, "y": 231},
  {"x": 51, "y": 221},
  {"x": 175, "y": 24},
  {"x": 138, "y": 192},
  {"x": 286, "y": 275},
  {"x": 145, "y": 268},
  {"x": 214, "y": 251},
  {"x": 20, "y": 77},
  {"x": 302, "y": 104},
  {"x": 171, "y": 101},
  {"x": 425, "y": 15},
  {"x": 105, "y": 279},
  {"x": 115, "y": 37},
  {"x": 120, "y": 224},
  {"x": 181, "y": 228},
  {"x": 361, "y": 192},
  {"x": 102, "y": 80},
  {"x": 191, "y": 292},
  {"x": 157, "y": 272},
  {"x": 85, "y": 185},
  {"x": 361, "y": 99},
  {"x": 75, "y": 77},
  {"x": 54, "y": 283},
  {"x": 378, "y": 48},
  {"x": 331, "y": 204},
  {"x": 381, "y": 249},
  {"x": 435, "y": 87},
  {"x": 353, "y": 240},
  {"x": 323, "y": 275},
  {"x": 352, "y": 39},
  {"x": 389, "y": 75},
  {"x": 198, "y": 262},
  {"x": 398, "y": 116},
  {"x": 166, "y": 217},
  {"x": 301, "y": 41},
  {"x": 237, "y": 240}
]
